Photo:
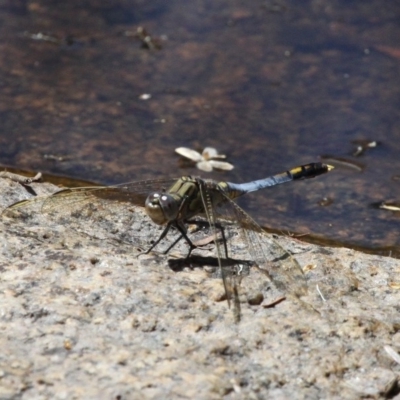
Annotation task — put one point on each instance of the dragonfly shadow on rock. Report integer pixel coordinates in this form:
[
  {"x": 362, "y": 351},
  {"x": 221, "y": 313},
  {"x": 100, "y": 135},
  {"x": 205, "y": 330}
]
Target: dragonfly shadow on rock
[
  {"x": 232, "y": 266},
  {"x": 231, "y": 271}
]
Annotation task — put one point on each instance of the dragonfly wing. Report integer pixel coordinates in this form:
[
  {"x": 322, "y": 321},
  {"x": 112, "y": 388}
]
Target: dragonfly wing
[
  {"x": 227, "y": 270},
  {"x": 101, "y": 200},
  {"x": 103, "y": 211},
  {"x": 271, "y": 258}
]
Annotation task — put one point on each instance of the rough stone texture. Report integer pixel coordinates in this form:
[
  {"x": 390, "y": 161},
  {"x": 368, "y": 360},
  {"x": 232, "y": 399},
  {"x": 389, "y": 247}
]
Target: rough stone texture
[{"x": 87, "y": 318}]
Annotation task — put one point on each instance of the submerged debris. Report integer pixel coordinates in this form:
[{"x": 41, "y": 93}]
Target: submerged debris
[
  {"x": 343, "y": 162},
  {"x": 148, "y": 42},
  {"x": 55, "y": 157},
  {"x": 362, "y": 146},
  {"x": 387, "y": 205},
  {"x": 67, "y": 40}
]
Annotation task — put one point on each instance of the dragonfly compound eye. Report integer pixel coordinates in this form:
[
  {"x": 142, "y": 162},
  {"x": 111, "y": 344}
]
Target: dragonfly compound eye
[{"x": 161, "y": 208}]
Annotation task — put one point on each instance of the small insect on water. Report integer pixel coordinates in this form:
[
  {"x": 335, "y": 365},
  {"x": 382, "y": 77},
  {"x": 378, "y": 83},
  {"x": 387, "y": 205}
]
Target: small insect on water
[{"x": 173, "y": 204}]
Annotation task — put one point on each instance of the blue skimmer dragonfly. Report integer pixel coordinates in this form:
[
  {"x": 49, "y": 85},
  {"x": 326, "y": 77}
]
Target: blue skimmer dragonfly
[{"x": 173, "y": 204}]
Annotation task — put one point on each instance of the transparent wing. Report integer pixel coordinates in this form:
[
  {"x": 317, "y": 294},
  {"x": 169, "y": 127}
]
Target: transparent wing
[
  {"x": 100, "y": 201},
  {"x": 271, "y": 258},
  {"x": 228, "y": 272},
  {"x": 104, "y": 212}
]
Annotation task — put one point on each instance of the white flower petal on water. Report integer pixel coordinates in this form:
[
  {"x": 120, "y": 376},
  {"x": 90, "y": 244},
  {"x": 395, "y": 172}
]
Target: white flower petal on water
[
  {"x": 221, "y": 165},
  {"x": 204, "y": 166},
  {"x": 209, "y": 153},
  {"x": 207, "y": 160},
  {"x": 189, "y": 153}
]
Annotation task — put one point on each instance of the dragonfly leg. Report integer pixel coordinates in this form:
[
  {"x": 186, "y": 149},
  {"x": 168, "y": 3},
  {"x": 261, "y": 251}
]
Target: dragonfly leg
[
  {"x": 221, "y": 228},
  {"x": 162, "y": 236},
  {"x": 182, "y": 230},
  {"x": 184, "y": 236},
  {"x": 173, "y": 245}
]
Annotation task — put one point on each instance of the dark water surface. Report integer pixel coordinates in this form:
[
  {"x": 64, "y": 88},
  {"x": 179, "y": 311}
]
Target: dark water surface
[{"x": 272, "y": 84}]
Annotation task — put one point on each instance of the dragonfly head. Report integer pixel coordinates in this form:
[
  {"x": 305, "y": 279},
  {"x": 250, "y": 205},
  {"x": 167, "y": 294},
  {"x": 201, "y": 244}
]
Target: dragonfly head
[{"x": 162, "y": 208}]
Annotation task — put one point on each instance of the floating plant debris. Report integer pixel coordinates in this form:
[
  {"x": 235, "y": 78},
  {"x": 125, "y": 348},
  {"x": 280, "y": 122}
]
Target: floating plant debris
[
  {"x": 148, "y": 41},
  {"x": 343, "y": 162},
  {"x": 387, "y": 205},
  {"x": 207, "y": 160},
  {"x": 363, "y": 145}
]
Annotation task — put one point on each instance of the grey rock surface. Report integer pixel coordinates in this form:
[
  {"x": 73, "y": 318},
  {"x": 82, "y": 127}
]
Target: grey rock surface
[{"x": 87, "y": 317}]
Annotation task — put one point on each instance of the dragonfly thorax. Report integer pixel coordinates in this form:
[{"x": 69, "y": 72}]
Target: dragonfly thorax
[{"x": 162, "y": 208}]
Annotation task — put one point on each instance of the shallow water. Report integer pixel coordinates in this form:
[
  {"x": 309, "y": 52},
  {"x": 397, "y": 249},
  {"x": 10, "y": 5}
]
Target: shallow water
[{"x": 270, "y": 84}]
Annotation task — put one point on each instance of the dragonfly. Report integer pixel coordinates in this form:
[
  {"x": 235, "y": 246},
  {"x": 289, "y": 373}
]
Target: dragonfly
[{"x": 173, "y": 204}]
